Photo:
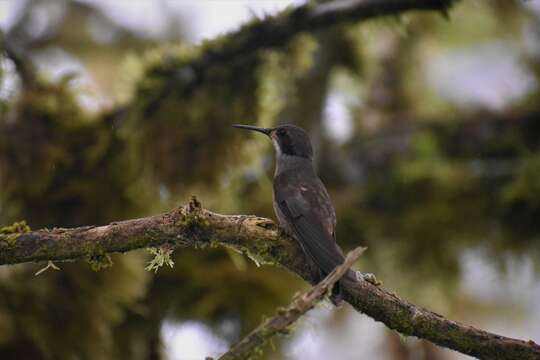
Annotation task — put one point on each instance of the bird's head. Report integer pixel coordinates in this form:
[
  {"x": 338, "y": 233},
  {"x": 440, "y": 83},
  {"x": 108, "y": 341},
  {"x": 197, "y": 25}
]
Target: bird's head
[{"x": 287, "y": 139}]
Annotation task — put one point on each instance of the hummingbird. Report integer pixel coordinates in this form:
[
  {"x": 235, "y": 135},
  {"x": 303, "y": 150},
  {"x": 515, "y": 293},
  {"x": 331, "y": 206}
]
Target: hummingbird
[{"x": 302, "y": 204}]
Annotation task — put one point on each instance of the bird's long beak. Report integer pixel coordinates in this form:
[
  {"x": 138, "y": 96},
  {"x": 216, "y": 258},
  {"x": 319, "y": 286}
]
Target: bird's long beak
[{"x": 265, "y": 131}]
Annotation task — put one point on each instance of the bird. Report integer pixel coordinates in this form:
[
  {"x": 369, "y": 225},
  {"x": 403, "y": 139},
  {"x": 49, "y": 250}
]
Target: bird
[{"x": 302, "y": 204}]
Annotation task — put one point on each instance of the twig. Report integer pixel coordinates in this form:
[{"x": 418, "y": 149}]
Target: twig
[
  {"x": 50, "y": 265},
  {"x": 281, "y": 322}
]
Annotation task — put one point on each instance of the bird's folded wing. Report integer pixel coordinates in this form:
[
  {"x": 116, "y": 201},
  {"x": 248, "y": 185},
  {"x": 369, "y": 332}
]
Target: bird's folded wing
[{"x": 317, "y": 242}]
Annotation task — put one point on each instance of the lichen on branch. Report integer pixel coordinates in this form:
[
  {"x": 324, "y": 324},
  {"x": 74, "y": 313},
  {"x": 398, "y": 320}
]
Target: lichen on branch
[{"x": 161, "y": 257}]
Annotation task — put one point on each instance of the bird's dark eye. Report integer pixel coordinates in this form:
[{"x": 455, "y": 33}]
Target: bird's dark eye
[{"x": 281, "y": 132}]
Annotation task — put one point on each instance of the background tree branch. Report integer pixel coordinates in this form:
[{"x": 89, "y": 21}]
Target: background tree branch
[
  {"x": 273, "y": 32},
  {"x": 22, "y": 63},
  {"x": 259, "y": 239}
]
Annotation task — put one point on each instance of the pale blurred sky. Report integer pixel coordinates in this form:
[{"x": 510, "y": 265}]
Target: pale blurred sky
[{"x": 208, "y": 18}]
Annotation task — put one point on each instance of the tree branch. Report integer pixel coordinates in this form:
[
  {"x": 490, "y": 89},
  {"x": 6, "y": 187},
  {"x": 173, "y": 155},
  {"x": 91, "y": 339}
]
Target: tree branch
[
  {"x": 260, "y": 239},
  {"x": 274, "y": 32},
  {"x": 280, "y": 323},
  {"x": 22, "y": 63}
]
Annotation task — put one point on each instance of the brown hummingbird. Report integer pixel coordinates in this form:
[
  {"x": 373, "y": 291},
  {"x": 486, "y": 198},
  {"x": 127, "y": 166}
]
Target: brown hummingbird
[{"x": 302, "y": 204}]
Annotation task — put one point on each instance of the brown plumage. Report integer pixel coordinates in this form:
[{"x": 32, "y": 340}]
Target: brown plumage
[{"x": 302, "y": 204}]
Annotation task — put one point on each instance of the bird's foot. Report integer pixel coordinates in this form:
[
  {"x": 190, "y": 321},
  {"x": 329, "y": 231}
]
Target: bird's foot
[{"x": 370, "y": 278}]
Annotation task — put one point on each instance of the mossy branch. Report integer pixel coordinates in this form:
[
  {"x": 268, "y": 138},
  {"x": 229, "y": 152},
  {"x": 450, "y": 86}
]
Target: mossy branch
[
  {"x": 271, "y": 32},
  {"x": 260, "y": 239},
  {"x": 282, "y": 321}
]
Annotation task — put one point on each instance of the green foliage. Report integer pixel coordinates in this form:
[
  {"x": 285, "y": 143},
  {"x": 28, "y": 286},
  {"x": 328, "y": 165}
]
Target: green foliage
[
  {"x": 525, "y": 187},
  {"x": 58, "y": 158},
  {"x": 36, "y": 312}
]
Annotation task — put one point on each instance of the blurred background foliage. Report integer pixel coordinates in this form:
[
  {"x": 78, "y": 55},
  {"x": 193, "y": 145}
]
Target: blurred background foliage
[{"x": 426, "y": 133}]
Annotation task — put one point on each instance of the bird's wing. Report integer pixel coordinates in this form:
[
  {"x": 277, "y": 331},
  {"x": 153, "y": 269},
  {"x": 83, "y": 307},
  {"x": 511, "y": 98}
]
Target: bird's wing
[{"x": 309, "y": 212}]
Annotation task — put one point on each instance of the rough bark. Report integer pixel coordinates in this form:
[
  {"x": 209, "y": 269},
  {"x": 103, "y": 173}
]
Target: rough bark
[{"x": 260, "y": 239}]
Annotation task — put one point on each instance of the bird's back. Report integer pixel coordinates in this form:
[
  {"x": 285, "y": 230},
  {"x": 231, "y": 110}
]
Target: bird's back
[{"x": 304, "y": 209}]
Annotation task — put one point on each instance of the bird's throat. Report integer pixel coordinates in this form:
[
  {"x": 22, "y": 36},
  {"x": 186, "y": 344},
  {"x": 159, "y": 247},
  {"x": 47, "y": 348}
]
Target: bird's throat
[{"x": 286, "y": 163}]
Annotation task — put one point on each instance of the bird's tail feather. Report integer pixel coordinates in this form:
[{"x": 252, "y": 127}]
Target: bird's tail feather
[
  {"x": 349, "y": 279},
  {"x": 336, "y": 297}
]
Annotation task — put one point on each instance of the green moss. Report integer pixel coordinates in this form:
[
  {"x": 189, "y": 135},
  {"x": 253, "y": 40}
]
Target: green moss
[
  {"x": 403, "y": 325},
  {"x": 10, "y": 233},
  {"x": 152, "y": 235},
  {"x": 194, "y": 224},
  {"x": 525, "y": 186},
  {"x": 196, "y": 221},
  {"x": 100, "y": 262},
  {"x": 214, "y": 243},
  {"x": 15, "y": 228},
  {"x": 260, "y": 252}
]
